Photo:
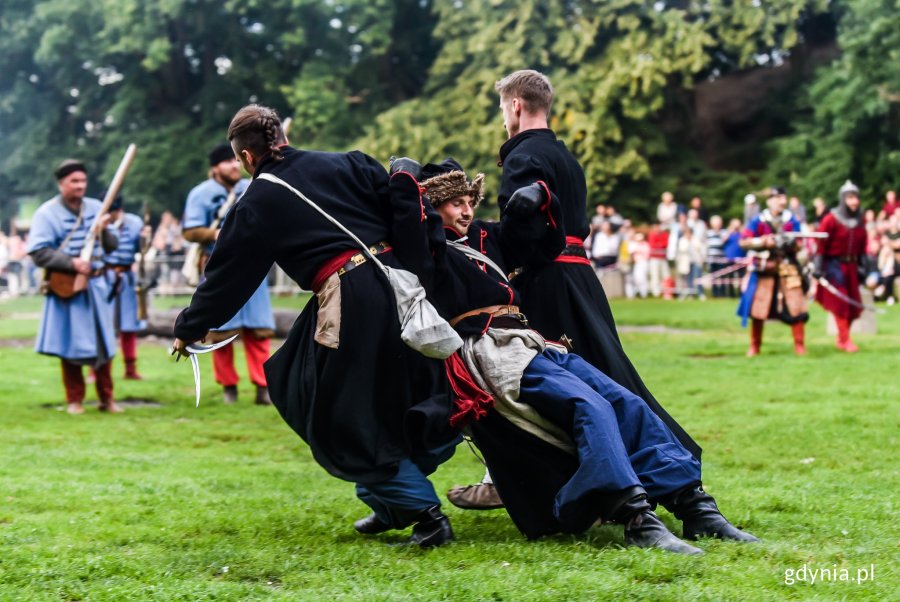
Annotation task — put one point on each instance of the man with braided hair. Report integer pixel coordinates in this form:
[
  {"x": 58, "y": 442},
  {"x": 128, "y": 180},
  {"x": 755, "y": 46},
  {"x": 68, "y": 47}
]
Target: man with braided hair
[
  {"x": 207, "y": 205},
  {"x": 373, "y": 411}
]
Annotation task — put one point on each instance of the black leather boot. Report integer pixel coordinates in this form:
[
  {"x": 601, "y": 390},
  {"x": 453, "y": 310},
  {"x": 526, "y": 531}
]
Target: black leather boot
[
  {"x": 371, "y": 525},
  {"x": 701, "y": 517},
  {"x": 432, "y": 528},
  {"x": 645, "y": 530}
]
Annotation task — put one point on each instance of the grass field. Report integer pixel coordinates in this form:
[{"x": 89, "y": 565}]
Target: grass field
[{"x": 225, "y": 503}]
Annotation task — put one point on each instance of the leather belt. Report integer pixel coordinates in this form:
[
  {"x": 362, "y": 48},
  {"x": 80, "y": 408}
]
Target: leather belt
[
  {"x": 360, "y": 258},
  {"x": 847, "y": 258},
  {"x": 118, "y": 269},
  {"x": 495, "y": 311}
]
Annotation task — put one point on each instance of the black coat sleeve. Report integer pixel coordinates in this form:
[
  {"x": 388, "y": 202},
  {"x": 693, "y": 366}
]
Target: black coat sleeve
[
  {"x": 417, "y": 232},
  {"x": 519, "y": 170},
  {"x": 243, "y": 255}
]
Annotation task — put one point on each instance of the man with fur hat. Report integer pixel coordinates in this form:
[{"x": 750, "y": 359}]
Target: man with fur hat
[
  {"x": 78, "y": 329},
  {"x": 775, "y": 289},
  {"x": 131, "y": 232},
  {"x": 566, "y": 444},
  {"x": 562, "y": 295},
  {"x": 206, "y": 208},
  {"x": 841, "y": 260}
]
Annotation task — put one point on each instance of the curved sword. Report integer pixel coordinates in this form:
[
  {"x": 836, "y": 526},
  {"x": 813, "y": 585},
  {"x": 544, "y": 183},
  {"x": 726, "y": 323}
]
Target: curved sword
[{"x": 195, "y": 349}]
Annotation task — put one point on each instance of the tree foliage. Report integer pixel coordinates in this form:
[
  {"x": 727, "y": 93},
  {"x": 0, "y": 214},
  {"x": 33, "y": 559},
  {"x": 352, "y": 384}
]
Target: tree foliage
[{"x": 84, "y": 78}]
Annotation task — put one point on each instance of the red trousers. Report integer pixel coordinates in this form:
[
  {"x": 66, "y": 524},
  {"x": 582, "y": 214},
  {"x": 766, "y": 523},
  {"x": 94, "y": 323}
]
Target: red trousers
[
  {"x": 257, "y": 351},
  {"x": 73, "y": 381}
]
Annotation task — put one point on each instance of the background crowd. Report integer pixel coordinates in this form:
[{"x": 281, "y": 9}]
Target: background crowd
[{"x": 686, "y": 252}]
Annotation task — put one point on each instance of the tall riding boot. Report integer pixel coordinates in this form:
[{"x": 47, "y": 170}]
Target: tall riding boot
[
  {"x": 701, "y": 517},
  {"x": 798, "y": 329},
  {"x": 104, "y": 387},
  {"x": 129, "y": 353},
  {"x": 843, "y": 335},
  {"x": 73, "y": 381},
  {"x": 756, "y": 330}
]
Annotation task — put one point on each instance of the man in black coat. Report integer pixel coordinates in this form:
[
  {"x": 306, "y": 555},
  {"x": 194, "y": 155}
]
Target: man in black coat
[
  {"x": 373, "y": 411},
  {"x": 562, "y": 297}
]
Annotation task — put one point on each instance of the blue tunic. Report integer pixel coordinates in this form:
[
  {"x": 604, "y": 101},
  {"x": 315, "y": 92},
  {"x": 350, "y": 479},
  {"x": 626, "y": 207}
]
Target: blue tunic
[
  {"x": 125, "y": 307},
  {"x": 201, "y": 209},
  {"x": 79, "y": 329}
]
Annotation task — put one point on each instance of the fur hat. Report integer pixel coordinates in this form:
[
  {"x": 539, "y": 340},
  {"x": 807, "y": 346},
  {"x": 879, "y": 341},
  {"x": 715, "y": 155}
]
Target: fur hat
[{"x": 447, "y": 180}]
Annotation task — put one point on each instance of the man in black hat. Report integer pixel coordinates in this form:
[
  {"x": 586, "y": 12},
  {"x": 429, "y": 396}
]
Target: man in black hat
[
  {"x": 79, "y": 328},
  {"x": 207, "y": 205}
]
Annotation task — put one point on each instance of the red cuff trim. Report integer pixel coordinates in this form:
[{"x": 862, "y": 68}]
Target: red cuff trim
[{"x": 545, "y": 208}]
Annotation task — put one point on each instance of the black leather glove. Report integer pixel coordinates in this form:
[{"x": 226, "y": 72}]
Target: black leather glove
[
  {"x": 526, "y": 201},
  {"x": 406, "y": 164}
]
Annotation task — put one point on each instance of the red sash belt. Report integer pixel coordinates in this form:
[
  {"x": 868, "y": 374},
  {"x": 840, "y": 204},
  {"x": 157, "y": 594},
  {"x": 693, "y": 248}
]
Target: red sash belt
[
  {"x": 574, "y": 252},
  {"x": 344, "y": 262}
]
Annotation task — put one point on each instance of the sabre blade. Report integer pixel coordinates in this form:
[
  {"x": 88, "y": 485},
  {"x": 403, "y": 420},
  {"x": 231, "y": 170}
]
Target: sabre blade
[
  {"x": 194, "y": 348},
  {"x": 195, "y": 364}
]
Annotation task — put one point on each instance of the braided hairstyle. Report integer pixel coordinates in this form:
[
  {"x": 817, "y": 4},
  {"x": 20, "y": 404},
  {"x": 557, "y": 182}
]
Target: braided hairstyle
[{"x": 258, "y": 129}]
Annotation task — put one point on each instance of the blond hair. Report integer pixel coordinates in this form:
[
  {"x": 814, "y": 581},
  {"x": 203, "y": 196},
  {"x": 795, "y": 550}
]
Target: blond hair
[{"x": 531, "y": 87}]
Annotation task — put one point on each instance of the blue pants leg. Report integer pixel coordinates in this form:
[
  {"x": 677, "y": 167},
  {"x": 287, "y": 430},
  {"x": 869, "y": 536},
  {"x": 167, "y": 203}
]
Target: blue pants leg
[
  {"x": 395, "y": 500},
  {"x": 659, "y": 459}
]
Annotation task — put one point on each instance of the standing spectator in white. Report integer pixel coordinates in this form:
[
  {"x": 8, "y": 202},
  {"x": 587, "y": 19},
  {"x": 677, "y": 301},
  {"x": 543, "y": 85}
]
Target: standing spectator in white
[
  {"x": 639, "y": 251},
  {"x": 605, "y": 250},
  {"x": 667, "y": 210},
  {"x": 689, "y": 264},
  {"x": 716, "y": 236},
  {"x": 751, "y": 208}
]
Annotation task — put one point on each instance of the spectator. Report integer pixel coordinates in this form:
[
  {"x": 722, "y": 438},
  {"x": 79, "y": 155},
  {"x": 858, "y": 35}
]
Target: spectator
[
  {"x": 702, "y": 213},
  {"x": 599, "y": 217},
  {"x": 716, "y": 236},
  {"x": 696, "y": 224},
  {"x": 689, "y": 261},
  {"x": 890, "y": 206},
  {"x": 797, "y": 209},
  {"x": 639, "y": 251},
  {"x": 667, "y": 211},
  {"x": 820, "y": 209},
  {"x": 613, "y": 217},
  {"x": 658, "y": 242},
  {"x": 733, "y": 254},
  {"x": 676, "y": 230},
  {"x": 605, "y": 248},
  {"x": 751, "y": 208}
]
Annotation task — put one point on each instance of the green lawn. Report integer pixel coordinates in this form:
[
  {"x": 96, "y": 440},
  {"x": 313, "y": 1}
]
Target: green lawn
[{"x": 225, "y": 503}]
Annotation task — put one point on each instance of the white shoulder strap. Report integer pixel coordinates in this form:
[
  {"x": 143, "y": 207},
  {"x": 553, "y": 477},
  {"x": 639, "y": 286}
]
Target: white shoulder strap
[
  {"x": 276, "y": 180},
  {"x": 477, "y": 256}
]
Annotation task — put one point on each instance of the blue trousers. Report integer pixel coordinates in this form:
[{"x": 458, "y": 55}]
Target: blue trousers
[
  {"x": 396, "y": 500},
  {"x": 620, "y": 442}
]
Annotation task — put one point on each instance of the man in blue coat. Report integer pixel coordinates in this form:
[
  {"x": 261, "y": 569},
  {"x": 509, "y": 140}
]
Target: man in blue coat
[
  {"x": 128, "y": 228},
  {"x": 207, "y": 205},
  {"x": 78, "y": 329}
]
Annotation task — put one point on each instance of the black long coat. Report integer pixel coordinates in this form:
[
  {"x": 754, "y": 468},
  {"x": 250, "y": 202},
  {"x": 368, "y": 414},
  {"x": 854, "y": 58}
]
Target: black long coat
[
  {"x": 567, "y": 298},
  {"x": 364, "y": 406}
]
